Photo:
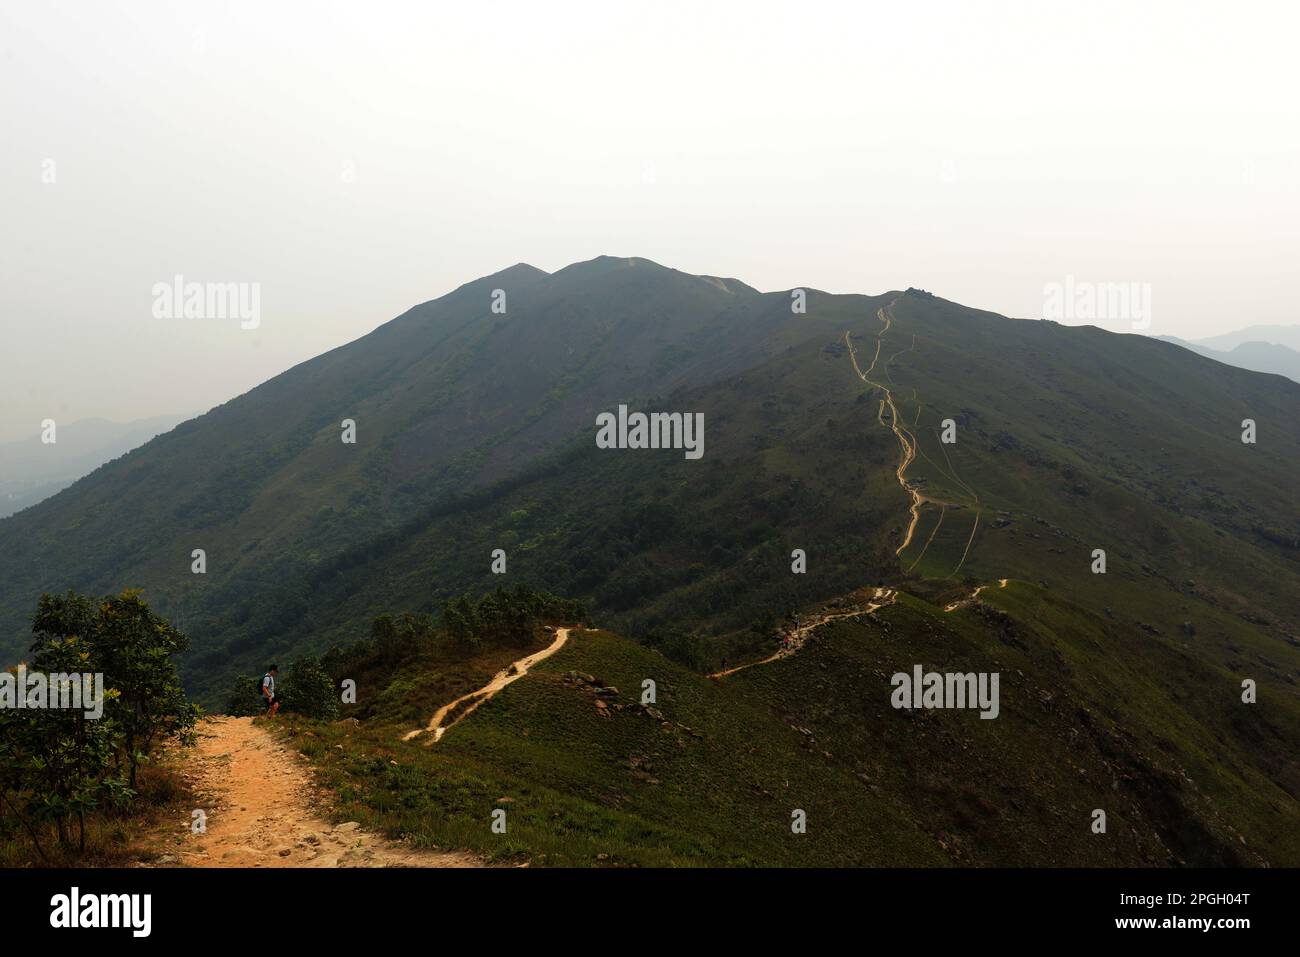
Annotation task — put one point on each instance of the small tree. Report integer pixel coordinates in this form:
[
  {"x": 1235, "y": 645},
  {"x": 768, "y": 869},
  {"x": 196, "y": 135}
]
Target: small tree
[
  {"x": 133, "y": 648},
  {"x": 461, "y": 620},
  {"x": 310, "y": 691},
  {"x": 55, "y": 763}
]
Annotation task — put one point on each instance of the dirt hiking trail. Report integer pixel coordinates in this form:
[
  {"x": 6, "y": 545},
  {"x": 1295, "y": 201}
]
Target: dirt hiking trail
[
  {"x": 258, "y": 797},
  {"x": 436, "y": 728},
  {"x": 799, "y": 636},
  {"x": 909, "y": 445}
]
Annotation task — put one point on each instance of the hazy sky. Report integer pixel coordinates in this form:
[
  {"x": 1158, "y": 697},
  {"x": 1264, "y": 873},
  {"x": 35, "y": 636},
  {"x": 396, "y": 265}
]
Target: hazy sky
[{"x": 356, "y": 158}]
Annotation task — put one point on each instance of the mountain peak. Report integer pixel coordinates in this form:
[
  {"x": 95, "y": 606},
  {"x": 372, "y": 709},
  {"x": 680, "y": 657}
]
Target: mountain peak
[
  {"x": 607, "y": 264},
  {"x": 519, "y": 271},
  {"x": 631, "y": 265}
]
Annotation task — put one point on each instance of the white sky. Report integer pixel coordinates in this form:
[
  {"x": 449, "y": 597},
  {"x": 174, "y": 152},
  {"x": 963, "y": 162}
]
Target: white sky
[{"x": 976, "y": 150}]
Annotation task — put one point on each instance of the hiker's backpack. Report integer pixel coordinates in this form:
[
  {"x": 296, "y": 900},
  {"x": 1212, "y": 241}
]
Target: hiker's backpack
[{"x": 261, "y": 686}]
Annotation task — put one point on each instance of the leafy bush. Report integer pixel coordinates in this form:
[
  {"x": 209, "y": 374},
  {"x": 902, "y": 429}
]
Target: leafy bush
[
  {"x": 245, "y": 697},
  {"x": 57, "y": 764},
  {"x": 310, "y": 691}
]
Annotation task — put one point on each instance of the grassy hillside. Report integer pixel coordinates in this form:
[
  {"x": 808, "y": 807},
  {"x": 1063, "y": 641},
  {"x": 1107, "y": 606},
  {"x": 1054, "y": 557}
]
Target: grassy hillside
[
  {"x": 658, "y": 542},
  {"x": 1068, "y": 440},
  {"x": 712, "y": 772}
]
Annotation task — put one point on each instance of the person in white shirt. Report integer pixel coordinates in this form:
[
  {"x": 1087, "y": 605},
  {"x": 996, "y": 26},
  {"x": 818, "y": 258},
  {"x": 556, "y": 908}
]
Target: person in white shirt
[{"x": 268, "y": 690}]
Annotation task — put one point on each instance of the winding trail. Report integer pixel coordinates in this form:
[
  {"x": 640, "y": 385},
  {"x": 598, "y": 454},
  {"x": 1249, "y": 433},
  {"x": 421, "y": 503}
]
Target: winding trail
[
  {"x": 476, "y": 698},
  {"x": 881, "y": 598},
  {"x": 906, "y": 439},
  {"x": 962, "y": 602},
  {"x": 910, "y": 446}
]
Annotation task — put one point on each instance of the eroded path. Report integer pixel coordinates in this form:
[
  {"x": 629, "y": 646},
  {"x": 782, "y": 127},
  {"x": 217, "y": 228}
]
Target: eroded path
[
  {"x": 906, "y": 440},
  {"x": 909, "y": 445},
  {"x": 799, "y": 637},
  {"x": 909, "y": 448},
  {"x": 438, "y": 725},
  {"x": 973, "y": 596},
  {"x": 261, "y": 811}
]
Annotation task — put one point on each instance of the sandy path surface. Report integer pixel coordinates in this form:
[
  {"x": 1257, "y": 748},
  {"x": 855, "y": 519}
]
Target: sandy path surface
[
  {"x": 963, "y": 602},
  {"x": 259, "y": 802},
  {"x": 799, "y": 637},
  {"x": 437, "y": 728}
]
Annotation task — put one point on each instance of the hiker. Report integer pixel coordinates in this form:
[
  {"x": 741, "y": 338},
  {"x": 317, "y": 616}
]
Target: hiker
[{"x": 268, "y": 690}]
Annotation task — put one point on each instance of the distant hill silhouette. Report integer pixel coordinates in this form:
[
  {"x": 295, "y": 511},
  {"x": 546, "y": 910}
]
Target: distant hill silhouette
[
  {"x": 31, "y": 470},
  {"x": 1257, "y": 356}
]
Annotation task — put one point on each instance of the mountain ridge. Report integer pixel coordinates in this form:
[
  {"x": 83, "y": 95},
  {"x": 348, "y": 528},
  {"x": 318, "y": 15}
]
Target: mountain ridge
[{"x": 474, "y": 433}]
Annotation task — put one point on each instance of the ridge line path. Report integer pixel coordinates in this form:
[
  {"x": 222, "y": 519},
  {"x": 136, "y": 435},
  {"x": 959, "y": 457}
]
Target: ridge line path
[
  {"x": 909, "y": 444},
  {"x": 973, "y": 596},
  {"x": 261, "y": 811},
  {"x": 500, "y": 680},
  {"x": 801, "y": 633}
]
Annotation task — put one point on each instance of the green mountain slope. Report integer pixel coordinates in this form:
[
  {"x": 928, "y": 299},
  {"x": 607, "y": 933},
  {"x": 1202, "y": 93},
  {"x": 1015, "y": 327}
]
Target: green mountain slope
[
  {"x": 449, "y": 397},
  {"x": 1068, "y": 440},
  {"x": 712, "y": 771},
  {"x": 823, "y": 433}
]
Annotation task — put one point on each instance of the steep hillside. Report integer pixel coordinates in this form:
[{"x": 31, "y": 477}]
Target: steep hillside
[
  {"x": 1067, "y": 441},
  {"x": 448, "y": 397}
]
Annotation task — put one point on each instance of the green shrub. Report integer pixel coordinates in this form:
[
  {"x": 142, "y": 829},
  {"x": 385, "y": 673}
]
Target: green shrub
[
  {"x": 310, "y": 691},
  {"x": 245, "y": 697}
]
